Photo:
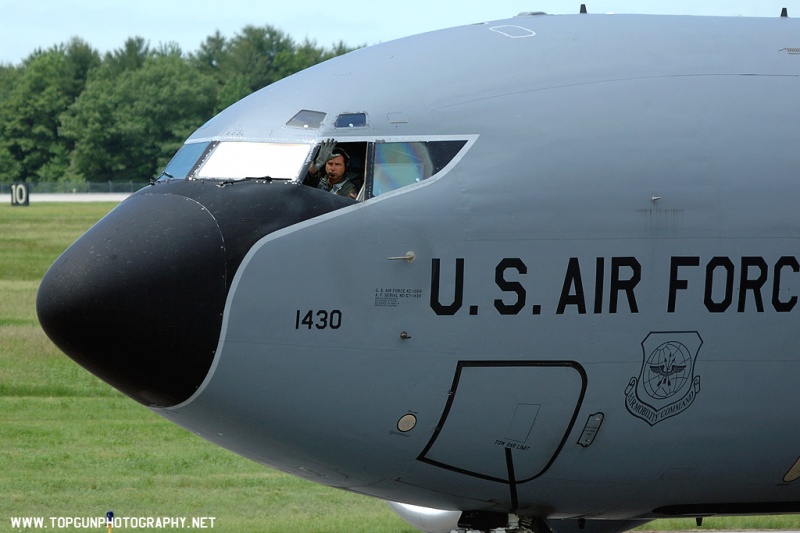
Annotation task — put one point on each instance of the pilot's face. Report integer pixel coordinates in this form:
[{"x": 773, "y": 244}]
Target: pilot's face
[{"x": 334, "y": 168}]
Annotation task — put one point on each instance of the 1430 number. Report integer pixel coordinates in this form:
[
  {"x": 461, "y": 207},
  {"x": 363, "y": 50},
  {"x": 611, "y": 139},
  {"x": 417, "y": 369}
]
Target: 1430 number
[{"x": 321, "y": 319}]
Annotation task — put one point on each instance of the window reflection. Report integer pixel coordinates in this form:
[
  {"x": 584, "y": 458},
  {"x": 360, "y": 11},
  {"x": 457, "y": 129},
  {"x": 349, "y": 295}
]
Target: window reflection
[{"x": 399, "y": 164}]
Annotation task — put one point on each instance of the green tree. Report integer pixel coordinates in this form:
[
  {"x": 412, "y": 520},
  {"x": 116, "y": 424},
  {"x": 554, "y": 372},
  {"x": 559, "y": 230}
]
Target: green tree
[
  {"x": 127, "y": 127},
  {"x": 170, "y": 48},
  {"x": 257, "y": 57},
  {"x": 65, "y": 114},
  {"x": 8, "y": 78},
  {"x": 131, "y": 56},
  {"x": 213, "y": 59},
  {"x": 45, "y": 86},
  {"x": 261, "y": 55},
  {"x": 211, "y": 53}
]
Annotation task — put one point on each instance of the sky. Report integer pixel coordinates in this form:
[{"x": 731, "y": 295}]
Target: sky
[{"x": 26, "y": 25}]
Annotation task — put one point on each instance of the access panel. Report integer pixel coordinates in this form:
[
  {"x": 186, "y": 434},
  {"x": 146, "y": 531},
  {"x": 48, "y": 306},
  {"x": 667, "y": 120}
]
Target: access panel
[{"x": 506, "y": 421}]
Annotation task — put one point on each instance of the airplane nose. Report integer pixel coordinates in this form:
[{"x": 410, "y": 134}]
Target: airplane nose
[{"x": 138, "y": 299}]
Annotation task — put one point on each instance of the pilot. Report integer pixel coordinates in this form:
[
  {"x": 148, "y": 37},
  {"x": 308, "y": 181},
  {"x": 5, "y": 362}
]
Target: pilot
[{"x": 332, "y": 170}]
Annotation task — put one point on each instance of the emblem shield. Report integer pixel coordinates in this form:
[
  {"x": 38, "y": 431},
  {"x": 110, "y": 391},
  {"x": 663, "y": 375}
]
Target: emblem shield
[{"x": 666, "y": 385}]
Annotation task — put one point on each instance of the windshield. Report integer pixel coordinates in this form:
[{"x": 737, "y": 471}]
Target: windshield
[
  {"x": 239, "y": 160},
  {"x": 182, "y": 163}
]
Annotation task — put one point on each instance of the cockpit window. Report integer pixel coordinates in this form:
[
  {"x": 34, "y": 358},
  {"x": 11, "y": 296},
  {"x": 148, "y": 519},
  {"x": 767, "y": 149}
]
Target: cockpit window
[
  {"x": 182, "y": 163},
  {"x": 239, "y": 160},
  {"x": 398, "y": 164},
  {"x": 375, "y": 167},
  {"x": 307, "y": 119},
  {"x": 351, "y": 120}
]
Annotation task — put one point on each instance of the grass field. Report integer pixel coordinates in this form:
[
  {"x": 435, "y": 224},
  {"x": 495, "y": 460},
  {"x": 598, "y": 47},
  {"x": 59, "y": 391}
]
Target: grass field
[{"x": 70, "y": 446}]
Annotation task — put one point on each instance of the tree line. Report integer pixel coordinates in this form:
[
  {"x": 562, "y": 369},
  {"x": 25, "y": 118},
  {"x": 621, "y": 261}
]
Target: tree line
[{"x": 70, "y": 114}]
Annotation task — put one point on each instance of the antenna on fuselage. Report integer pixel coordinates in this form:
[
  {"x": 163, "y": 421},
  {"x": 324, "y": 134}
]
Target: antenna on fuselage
[
  {"x": 583, "y": 9},
  {"x": 784, "y": 12}
]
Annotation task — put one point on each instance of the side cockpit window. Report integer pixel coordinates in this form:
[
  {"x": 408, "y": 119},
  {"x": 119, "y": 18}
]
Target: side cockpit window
[
  {"x": 365, "y": 169},
  {"x": 398, "y": 164}
]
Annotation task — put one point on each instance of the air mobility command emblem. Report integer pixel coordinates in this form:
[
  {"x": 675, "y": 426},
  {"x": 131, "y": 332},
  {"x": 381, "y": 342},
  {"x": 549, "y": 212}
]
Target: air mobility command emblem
[{"x": 666, "y": 385}]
